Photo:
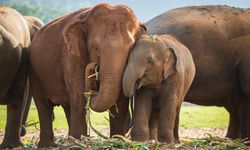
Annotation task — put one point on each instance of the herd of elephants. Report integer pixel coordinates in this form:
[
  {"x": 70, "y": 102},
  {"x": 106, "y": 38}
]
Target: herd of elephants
[{"x": 198, "y": 54}]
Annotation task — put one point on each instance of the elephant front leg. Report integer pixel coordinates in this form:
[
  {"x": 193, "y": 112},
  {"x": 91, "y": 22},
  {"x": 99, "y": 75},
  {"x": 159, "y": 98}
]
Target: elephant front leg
[
  {"x": 142, "y": 110},
  {"x": 77, "y": 116},
  {"x": 78, "y": 125},
  {"x": 176, "y": 128},
  {"x": 167, "y": 116},
  {"x": 74, "y": 79},
  {"x": 13, "y": 126},
  {"x": 153, "y": 125},
  {"x": 119, "y": 116}
]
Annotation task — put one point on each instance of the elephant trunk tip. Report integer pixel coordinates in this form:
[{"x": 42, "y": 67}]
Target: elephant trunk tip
[
  {"x": 128, "y": 89},
  {"x": 94, "y": 106}
]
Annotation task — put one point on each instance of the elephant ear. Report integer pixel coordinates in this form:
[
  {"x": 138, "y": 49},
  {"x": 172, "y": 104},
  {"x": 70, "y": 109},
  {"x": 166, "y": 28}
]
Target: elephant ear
[
  {"x": 74, "y": 37},
  {"x": 169, "y": 64},
  {"x": 175, "y": 59},
  {"x": 34, "y": 25}
]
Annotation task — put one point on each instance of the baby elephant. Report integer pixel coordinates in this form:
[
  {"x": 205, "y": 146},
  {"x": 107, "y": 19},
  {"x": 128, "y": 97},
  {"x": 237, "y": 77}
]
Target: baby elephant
[{"x": 162, "y": 70}]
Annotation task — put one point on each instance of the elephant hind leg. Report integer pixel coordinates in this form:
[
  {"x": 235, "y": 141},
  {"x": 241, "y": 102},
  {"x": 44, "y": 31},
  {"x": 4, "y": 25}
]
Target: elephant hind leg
[
  {"x": 45, "y": 113},
  {"x": 233, "y": 131},
  {"x": 12, "y": 129},
  {"x": 244, "y": 75},
  {"x": 67, "y": 113},
  {"x": 15, "y": 107},
  {"x": 234, "y": 118}
]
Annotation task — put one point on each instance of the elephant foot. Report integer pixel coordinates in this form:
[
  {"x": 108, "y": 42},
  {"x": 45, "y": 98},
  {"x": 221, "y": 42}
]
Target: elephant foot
[
  {"x": 46, "y": 144},
  {"x": 177, "y": 141},
  {"x": 233, "y": 136},
  {"x": 10, "y": 144},
  {"x": 23, "y": 131},
  {"x": 165, "y": 145}
]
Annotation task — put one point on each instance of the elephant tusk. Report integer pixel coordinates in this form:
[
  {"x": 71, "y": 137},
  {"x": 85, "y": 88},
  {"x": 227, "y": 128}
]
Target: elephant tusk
[{"x": 139, "y": 85}]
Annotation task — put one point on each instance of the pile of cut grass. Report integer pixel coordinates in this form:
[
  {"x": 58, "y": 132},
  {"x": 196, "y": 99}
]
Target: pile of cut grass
[{"x": 95, "y": 143}]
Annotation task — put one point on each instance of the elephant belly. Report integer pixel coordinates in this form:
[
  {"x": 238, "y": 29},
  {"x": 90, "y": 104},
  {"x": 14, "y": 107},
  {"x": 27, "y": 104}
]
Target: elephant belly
[
  {"x": 210, "y": 92},
  {"x": 48, "y": 72}
]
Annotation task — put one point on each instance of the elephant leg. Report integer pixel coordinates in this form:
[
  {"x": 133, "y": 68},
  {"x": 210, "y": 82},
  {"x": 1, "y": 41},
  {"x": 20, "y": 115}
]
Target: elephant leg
[
  {"x": 45, "y": 113},
  {"x": 233, "y": 131},
  {"x": 67, "y": 114},
  {"x": 243, "y": 118},
  {"x": 75, "y": 79},
  {"x": 234, "y": 117},
  {"x": 78, "y": 125},
  {"x": 153, "y": 124},
  {"x": 244, "y": 75},
  {"x": 142, "y": 111},
  {"x": 16, "y": 106},
  {"x": 12, "y": 129},
  {"x": 119, "y": 116},
  {"x": 167, "y": 117},
  {"x": 176, "y": 128}
]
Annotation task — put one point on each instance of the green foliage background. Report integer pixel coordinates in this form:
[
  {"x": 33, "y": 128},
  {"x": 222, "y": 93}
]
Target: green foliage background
[{"x": 46, "y": 10}]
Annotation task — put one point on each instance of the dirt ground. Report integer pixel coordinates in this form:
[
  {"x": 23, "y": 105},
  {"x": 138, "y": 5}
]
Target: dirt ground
[{"x": 184, "y": 132}]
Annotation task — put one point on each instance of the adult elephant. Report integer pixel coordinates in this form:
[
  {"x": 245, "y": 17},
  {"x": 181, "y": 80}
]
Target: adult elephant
[
  {"x": 59, "y": 54},
  {"x": 15, "y": 37},
  {"x": 222, "y": 67}
]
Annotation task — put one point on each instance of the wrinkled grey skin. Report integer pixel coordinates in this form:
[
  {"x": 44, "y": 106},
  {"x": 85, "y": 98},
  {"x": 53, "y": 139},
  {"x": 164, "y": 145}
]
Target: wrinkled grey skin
[
  {"x": 162, "y": 70},
  {"x": 15, "y": 38},
  {"x": 218, "y": 39}
]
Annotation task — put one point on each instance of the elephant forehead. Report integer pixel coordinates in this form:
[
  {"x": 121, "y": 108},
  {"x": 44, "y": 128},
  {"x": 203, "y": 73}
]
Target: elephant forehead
[
  {"x": 149, "y": 44},
  {"x": 104, "y": 10}
]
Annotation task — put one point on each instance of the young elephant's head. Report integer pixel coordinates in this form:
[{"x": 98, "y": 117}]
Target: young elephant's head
[{"x": 150, "y": 62}]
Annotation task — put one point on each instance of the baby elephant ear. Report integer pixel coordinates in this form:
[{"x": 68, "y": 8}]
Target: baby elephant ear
[{"x": 169, "y": 64}]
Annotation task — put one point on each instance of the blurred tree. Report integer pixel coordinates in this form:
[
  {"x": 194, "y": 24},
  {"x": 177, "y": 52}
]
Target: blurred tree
[{"x": 46, "y": 10}]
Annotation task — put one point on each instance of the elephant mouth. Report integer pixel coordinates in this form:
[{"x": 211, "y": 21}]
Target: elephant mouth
[{"x": 92, "y": 80}]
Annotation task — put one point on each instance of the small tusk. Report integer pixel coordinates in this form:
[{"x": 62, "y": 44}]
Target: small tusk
[{"x": 139, "y": 85}]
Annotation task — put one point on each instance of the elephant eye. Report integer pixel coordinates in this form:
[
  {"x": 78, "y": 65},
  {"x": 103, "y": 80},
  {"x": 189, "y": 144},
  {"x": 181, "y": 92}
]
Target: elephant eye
[
  {"x": 145, "y": 75},
  {"x": 150, "y": 61}
]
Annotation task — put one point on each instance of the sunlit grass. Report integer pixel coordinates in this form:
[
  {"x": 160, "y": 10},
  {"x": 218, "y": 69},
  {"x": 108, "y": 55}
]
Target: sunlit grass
[
  {"x": 201, "y": 116},
  {"x": 191, "y": 117}
]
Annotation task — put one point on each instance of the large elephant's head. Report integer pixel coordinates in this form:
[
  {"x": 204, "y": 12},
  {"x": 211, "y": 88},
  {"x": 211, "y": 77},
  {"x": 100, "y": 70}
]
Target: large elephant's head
[{"x": 108, "y": 33}]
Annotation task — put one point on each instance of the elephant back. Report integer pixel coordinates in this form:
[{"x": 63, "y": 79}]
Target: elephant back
[
  {"x": 230, "y": 22},
  {"x": 15, "y": 24}
]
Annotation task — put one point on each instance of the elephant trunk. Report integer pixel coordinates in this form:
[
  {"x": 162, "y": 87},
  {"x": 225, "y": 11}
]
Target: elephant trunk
[
  {"x": 111, "y": 71},
  {"x": 129, "y": 81}
]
